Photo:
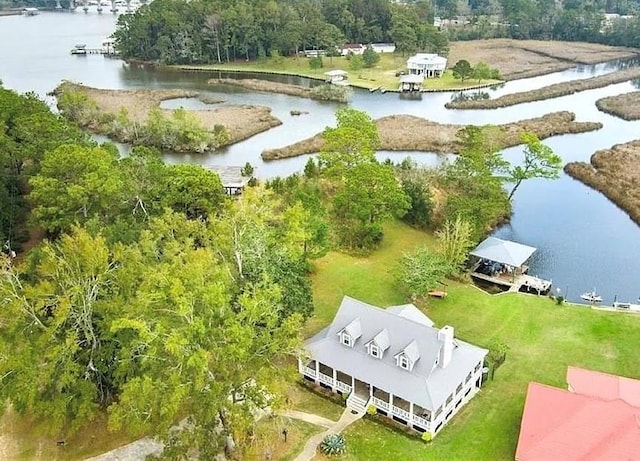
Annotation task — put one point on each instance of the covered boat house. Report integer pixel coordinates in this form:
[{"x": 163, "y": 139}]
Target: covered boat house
[
  {"x": 231, "y": 177},
  {"x": 503, "y": 263},
  {"x": 411, "y": 83},
  {"x": 336, "y": 77}
]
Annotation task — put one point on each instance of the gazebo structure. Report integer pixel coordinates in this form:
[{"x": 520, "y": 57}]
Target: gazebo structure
[
  {"x": 231, "y": 177},
  {"x": 336, "y": 77},
  {"x": 411, "y": 83},
  {"x": 502, "y": 262}
]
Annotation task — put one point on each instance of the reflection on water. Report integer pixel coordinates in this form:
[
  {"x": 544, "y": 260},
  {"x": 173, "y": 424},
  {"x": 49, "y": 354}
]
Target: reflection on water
[{"x": 582, "y": 239}]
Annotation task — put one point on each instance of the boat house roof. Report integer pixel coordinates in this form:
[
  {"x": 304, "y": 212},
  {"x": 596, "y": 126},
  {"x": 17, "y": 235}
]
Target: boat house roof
[
  {"x": 230, "y": 176},
  {"x": 503, "y": 251},
  {"x": 412, "y": 78},
  {"x": 336, "y": 72}
]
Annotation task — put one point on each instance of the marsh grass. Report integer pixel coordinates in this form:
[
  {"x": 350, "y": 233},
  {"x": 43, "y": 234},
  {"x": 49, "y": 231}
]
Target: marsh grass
[
  {"x": 411, "y": 133},
  {"x": 615, "y": 173},
  {"x": 548, "y": 92},
  {"x": 625, "y": 106}
]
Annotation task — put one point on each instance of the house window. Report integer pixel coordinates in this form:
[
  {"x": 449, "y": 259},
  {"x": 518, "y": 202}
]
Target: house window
[
  {"x": 404, "y": 362},
  {"x": 346, "y": 339},
  {"x": 374, "y": 351}
]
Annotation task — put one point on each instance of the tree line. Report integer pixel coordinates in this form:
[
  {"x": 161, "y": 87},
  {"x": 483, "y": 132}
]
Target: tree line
[{"x": 177, "y": 32}]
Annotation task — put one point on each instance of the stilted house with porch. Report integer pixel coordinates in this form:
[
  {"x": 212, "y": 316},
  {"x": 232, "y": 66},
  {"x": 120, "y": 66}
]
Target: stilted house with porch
[
  {"x": 396, "y": 360},
  {"x": 427, "y": 64}
]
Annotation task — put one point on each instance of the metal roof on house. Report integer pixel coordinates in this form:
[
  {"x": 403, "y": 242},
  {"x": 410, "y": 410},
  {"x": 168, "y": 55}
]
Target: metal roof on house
[
  {"x": 426, "y": 384},
  {"x": 412, "y": 78},
  {"x": 427, "y": 58},
  {"x": 411, "y": 312},
  {"x": 230, "y": 176},
  {"x": 336, "y": 72},
  {"x": 503, "y": 251},
  {"x": 562, "y": 425},
  {"x": 603, "y": 385}
]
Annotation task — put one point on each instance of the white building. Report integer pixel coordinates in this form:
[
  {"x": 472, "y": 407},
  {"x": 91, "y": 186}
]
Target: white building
[
  {"x": 427, "y": 64},
  {"x": 383, "y": 47},
  {"x": 395, "y": 360}
]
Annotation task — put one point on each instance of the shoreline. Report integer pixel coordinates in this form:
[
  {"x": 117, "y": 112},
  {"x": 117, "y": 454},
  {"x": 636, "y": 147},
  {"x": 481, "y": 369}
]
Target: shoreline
[
  {"x": 614, "y": 173},
  {"x": 411, "y": 133},
  {"x": 625, "y": 106},
  {"x": 134, "y": 106},
  {"x": 556, "y": 90}
]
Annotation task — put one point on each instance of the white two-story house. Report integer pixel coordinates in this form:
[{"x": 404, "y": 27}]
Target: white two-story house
[
  {"x": 396, "y": 360},
  {"x": 427, "y": 64}
]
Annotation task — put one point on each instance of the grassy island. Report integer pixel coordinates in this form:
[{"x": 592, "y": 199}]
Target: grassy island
[
  {"x": 548, "y": 92},
  {"x": 135, "y": 116},
  {"x": 321, "y": 93},
  {"x": 625, "y": 106},
  {"x": 408, "y": 132},
  {"x": 614, "y": 172}
]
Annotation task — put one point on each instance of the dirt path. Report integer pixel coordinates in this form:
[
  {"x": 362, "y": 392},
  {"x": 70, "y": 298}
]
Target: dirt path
[{"x": 135, "y": 451}]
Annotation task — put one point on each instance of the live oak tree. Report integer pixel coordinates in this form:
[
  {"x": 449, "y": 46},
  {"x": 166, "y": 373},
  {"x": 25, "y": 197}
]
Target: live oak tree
[
  {"x": 462, "y": 70},
  {"x": 421, "y": 271}
]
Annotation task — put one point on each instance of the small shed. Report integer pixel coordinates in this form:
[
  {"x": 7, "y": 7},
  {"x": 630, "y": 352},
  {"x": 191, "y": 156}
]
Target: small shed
[
  {"x": 336, "y": 77},
  {"x": 231, "y": 177},
  {"x": 411, "y": 83}
]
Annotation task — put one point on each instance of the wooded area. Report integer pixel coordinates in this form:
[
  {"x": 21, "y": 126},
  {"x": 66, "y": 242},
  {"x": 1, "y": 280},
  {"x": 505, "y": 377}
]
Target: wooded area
[{"x": 205, "y": 31}]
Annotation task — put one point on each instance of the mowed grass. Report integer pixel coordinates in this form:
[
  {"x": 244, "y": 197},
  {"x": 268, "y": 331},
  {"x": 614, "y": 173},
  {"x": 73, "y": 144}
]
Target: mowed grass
[
  {"x": 543, "y": 339},
  {"x": 269, "y": 441},
  {"x": 302, "y": 399},
  {"x": 382, "y": 75}
]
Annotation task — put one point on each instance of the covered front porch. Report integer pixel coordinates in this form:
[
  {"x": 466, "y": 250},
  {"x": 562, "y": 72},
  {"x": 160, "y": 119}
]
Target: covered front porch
[{"x": 361, "y": 395}]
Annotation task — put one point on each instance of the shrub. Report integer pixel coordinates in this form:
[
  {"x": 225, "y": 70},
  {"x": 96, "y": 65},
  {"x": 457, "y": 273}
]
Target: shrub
[
  {"x": 372, "y": 410},
  {"x": 356, "y": 62},
  {"x": 333, "y": 444},
  {"x": 426, "y": 437},
  {"x": 331, "y": 93},
  {"x": 370, "y": 57},
  {"x": 316, "y": 63}
]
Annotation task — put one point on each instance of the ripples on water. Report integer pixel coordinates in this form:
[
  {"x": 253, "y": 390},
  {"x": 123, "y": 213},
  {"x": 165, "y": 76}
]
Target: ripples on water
[{"x": 583, "y": 240}]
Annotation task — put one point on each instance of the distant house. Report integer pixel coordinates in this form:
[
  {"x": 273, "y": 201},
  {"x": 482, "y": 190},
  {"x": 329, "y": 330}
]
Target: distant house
[
  {"x": 352, "y": 48},
  {"x": 383, "y": 47},
  {"x": 597, "y": 418},
  {"x": 395, "y": 360},
  {"x": 427, "y": 64}
]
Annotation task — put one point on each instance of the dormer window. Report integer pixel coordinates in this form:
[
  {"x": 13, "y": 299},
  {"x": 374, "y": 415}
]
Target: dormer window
[
  {"x": 404, "y": 362},
  {"x": 374, "y": 351},
  {"x": 408, "y": 357},
  {"x": 350, "y": 333},
  {"x": 346, "y": 339}
]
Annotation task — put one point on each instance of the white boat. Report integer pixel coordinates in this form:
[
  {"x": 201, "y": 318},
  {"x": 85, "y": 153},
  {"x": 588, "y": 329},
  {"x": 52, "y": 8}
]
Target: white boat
[
  {"x": 30, "y": 11},
  {"x": 591, "y": 296}
]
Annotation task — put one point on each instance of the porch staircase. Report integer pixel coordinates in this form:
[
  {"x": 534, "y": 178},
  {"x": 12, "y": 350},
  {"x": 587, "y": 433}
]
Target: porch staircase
[{"x": 357, "y": 403}]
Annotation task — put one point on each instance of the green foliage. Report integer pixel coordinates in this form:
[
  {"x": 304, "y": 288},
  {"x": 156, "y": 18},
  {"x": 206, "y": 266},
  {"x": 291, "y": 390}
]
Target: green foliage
[
  {"x": 422, "y": 271},
  {"x": 333, "y": 445},
  {"x": 356, "y": 63},
  {"x": 316, "y": 62},
  {"x": 328, "y": 92},
  {"x": 370, "y": 57},
  {"x": 481, "y": 71},
  {"x": 454, "y": 243},
  {"x": 416, "y": 184},
  {"x": 354, "y": 140},
  {"x": 462, "y": 70},
  {"x": 371, "y": 410},
  {"x": 247, "y": 170},
  {"x": 496, "y": 356},
  {"x": 192, "y": 190},
  {"x": 426, "y": 437},
  {"x": 76, "y": 184},
  {"x": 539, "y": 162}
]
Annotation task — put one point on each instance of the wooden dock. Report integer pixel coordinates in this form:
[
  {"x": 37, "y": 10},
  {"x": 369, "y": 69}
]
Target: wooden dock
[{"x": 516, "y": 283}]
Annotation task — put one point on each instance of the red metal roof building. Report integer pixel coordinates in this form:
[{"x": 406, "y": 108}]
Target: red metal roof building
[{"x": 597, "y": 419}]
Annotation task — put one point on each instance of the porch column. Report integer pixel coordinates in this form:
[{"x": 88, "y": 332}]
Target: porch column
[
  {"x": 317, "y": 372},
  {"x": 353, "y": 385},
  {"x": 410, "y": 422},
  {"x": 390, "y": 405},
  {"x": 335, "y": 379}
]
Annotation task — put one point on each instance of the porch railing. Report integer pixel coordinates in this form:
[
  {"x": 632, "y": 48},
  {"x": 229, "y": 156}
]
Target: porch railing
[
  {"x": 310, "y": 372},
  {"x": 342, "y": 387},
  {"x": 420, "y": 421},
  {"x": 400, "y": 412},
  {"x": 380, "y": 403},
  {"x": 325, "y": 379}
]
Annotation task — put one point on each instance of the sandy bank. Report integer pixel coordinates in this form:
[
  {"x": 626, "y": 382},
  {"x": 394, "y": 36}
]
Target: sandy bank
[
  {"x": 616, "y": 173},
  {"x": 407, "y": 132},
  {"x": 625, "y": 106},
  {"x": 548, "y": 92},
  {"x": 241, "y": 121},
  {"x": 528, "y": 58}
]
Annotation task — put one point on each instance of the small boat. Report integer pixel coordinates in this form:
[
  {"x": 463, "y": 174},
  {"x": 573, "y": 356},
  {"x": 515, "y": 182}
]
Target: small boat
[
  {"x": 591, "y": 296},
  {"x": 30, "y": 11},
  {"x": 80, "y": 49}
]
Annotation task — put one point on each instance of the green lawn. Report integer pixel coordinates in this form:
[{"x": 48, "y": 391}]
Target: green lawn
[
  {"x": 304, "y": 400},
  {"x": 382, "y": 75},
  {"x": 269, "y": 442},
  {"x": 543, "y": 338}
]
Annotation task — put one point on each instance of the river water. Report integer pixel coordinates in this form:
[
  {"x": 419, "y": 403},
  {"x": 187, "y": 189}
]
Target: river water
[{"x": 584, "y": 241}]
